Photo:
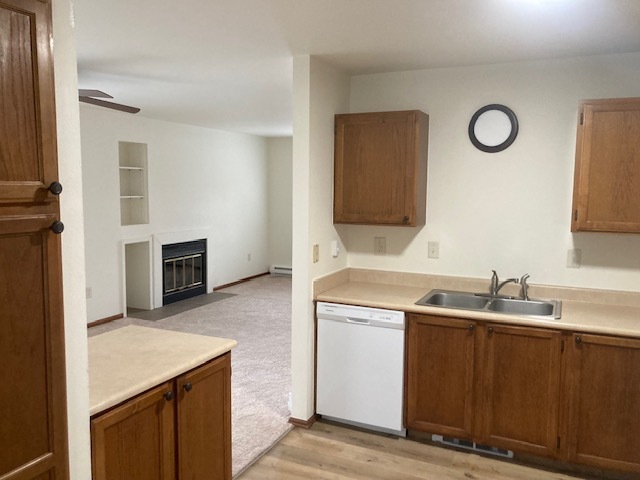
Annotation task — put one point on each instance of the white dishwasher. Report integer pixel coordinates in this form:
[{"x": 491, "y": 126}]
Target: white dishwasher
[{"x": 360, "y": 367}]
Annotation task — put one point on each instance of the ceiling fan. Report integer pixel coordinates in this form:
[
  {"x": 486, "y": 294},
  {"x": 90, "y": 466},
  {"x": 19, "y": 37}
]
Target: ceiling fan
[{"x": 93, "y": 97}]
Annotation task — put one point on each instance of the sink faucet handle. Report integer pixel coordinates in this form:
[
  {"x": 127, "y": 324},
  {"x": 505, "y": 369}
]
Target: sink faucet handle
[
  {"x": 524, "y": 290},
  {"x": 493, "y": 289}
]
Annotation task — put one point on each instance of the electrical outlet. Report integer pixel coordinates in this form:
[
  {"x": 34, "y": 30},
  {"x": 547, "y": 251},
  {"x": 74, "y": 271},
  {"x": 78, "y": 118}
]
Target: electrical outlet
[
  {"x": 89, "y": 292},
  {"x": 574, "y": 258},
  {"x": 433, "y": 250},
  {"x": 316, "y": 253},
  {"x": 379, "y": 245}
]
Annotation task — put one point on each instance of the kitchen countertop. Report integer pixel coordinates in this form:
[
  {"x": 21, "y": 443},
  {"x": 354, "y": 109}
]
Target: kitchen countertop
[
  {"x": 579, "y": 316},
  {"x": 133, "y": 359}
]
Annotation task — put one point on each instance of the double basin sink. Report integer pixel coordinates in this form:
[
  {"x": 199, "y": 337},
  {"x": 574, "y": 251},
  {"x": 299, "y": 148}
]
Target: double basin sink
[{"x": 495, "y": 304}]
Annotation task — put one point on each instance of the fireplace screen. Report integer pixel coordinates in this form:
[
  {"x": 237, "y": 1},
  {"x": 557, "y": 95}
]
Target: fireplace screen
[{"x": 184, "y": 270}]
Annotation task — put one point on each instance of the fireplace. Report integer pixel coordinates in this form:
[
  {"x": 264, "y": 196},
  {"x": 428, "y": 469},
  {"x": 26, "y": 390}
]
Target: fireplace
[{"x": 184, "y": 270}]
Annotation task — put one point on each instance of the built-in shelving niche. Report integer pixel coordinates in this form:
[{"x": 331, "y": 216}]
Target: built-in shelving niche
[{"x": 134, "y": 199}]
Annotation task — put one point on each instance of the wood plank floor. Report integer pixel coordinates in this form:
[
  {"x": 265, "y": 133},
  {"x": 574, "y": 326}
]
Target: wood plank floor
[{"x": 330, "y": 452}]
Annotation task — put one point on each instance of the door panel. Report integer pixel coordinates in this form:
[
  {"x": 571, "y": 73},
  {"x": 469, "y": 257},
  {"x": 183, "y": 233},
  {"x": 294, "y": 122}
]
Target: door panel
[
  {"x": 136, "y": 440},
  {"x": 204, "y": 421},
  {"x": 32, "y": 390},
  {"x": 440, "y": 373},
  {"x": 522, "y": 389},
  {"x": 27, "y": 111}
]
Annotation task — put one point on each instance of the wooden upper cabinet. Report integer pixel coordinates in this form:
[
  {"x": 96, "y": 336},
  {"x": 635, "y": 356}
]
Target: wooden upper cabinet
[
  {"x": 380, "y": 168},
  {"x": 522, "y": 389},
  {"x": 606, "y": 195},
  {"x": 604, "y": 407},
  {"x": 28, "y": 163},
  {"x": 440, "y": 375}
]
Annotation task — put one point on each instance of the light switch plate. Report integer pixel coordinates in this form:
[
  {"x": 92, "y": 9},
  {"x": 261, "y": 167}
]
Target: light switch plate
[{"x": 433, "y": 250}]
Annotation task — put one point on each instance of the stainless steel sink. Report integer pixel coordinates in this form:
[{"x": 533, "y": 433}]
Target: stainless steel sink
[{"x": 483, "y": 303}]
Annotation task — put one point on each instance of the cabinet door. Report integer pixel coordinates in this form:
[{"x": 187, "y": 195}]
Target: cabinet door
[
  {"x": 604, "y": 406},
  {"x": 136, "y": 440},
  {"x": 381, "y": 168},
  {"x": 440, "y": 373},
  {"x": 204, "y": 422},
  {"x": 32, "y": 391},
  {"x": 521, "y": 388},
  {"x": 606, "y": 186},
  {"x": 28, "y": 161}
]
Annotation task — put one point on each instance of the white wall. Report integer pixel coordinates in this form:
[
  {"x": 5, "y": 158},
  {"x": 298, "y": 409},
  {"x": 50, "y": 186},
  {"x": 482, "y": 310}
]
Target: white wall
[
  {"x": 508, "y": 211},
  {"x": 204, "y": 182},
  {"x": 280, "y": 154},
  {"x": 69, "y": 167},
  {"x": 319, "y": 92}
]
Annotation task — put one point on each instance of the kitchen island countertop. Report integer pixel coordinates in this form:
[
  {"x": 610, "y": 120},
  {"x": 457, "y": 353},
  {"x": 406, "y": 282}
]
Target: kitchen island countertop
[{"x": 130, "y": 360}]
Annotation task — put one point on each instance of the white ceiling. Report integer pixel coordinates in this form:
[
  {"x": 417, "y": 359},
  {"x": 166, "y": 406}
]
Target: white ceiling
[{"x": 227, "y": 64}]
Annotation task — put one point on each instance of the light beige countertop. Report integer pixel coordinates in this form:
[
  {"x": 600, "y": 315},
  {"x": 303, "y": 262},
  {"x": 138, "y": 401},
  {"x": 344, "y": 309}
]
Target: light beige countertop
[
  {"x": 132, "y": 359},
  {"x": 586, "y": 311}
]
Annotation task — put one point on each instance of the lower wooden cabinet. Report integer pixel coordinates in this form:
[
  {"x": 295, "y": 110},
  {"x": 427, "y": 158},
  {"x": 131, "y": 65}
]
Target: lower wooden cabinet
[
  {"x": 440, "y": 364},
  {"x": 604, "y": 405},
  {"x": 178, "y": 430},
  {"x": 521, "y": 389},
  {"x": 572, "y": 397},
  {"x": 493, "y": 384}
]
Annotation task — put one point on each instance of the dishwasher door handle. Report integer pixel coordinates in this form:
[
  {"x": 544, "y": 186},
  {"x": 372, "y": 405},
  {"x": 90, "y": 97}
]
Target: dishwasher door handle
[{"x": 361, "y": 321}]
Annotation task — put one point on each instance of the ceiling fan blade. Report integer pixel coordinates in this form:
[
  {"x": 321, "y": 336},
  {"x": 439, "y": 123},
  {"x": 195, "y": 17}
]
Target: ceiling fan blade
[
  {"x": 93, "y": 93},
  {"x": 112, "y": 105}
]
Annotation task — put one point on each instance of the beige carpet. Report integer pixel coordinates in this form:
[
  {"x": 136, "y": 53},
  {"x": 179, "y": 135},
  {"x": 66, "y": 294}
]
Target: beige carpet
[{"x": 259, "y": 318}]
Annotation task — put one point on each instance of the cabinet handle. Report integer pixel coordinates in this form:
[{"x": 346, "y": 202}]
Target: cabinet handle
[
  {"x": 471, "y": 327},
  {"x": 578, "y": 340},
  {"x": 57, "y": 227},
  {"x": 187, "y": 386},
  {"x": 490, "y": 330},
  {"x": 55, "y": 188},
  {"x": 168, "y": 396}
]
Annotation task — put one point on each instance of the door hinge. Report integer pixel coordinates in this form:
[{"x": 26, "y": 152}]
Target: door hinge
[
  {"x": 575, "y": 215},
  {"x": 582, "y": 118}
]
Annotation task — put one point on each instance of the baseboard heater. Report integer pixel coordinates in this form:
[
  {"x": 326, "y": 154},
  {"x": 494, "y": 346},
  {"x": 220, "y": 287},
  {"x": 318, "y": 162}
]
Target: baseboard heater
[
  {"x": 466, "y": 444},
  {"x": 280, "y": 270}
]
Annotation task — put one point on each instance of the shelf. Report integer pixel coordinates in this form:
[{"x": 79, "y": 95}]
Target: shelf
[{"x": 132, "y": 165}]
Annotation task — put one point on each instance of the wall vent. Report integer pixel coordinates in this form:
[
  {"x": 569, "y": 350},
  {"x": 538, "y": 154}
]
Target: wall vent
[
  {"x": 280, "y": 270},
  {"x": 468, "y": 445}
]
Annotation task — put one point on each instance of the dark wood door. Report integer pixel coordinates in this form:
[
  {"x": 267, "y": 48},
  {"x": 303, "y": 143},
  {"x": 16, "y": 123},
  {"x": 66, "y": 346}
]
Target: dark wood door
[
  {"x": 33, "y": 440},
  {"x": 440, "y": 375},
  {"x": 204, "y": 422},
  {"x": 521, "y": 389},
  {"x": 136, "y": 441},
  {"x": 380, "y": 167},
  {"x": 606, "y": 187},
  {"x": 604, "y": 404}
]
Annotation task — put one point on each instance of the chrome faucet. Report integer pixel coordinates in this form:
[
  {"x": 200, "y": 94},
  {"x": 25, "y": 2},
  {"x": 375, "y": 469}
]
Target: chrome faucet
[
  {"x": 496, "y": 285},
  {"x": 524, "y": 287}
]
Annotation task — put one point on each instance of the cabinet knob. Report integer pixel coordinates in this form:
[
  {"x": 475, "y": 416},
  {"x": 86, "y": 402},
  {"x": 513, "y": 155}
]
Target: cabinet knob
[
  {"x": 490, "y": 330},
  {"x": 405, "y": 219},
  {"x": 187, "y": 386},
  {"x": 55, "y": 188},
  {"x": 471, "y": 327},
  {"x": 578, "y": 340},
  {"x": 57, "y": 227},
  {"x": 168, "y": 396}
]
